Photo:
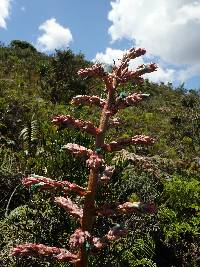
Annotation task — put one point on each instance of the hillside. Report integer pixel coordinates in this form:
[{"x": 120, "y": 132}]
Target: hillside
[{"x": 33, "y": 88}]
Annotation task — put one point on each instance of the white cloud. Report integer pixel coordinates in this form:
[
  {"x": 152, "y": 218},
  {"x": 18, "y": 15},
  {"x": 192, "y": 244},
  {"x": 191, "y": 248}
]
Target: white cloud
[
  {"x": 190, "y": 71},
  {"x": 55, "y": 36},
  {"x": 5, "y": 6},
  {"x": 164, "y": 75},
  {"x": 109, "y": 56},
  {"x": 161, "y": 75},
  {"x": 168, "y": 29}
]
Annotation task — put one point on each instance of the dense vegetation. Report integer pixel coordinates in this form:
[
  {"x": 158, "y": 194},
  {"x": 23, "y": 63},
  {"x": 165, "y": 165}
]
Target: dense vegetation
[{"x": 33, "y": 88}]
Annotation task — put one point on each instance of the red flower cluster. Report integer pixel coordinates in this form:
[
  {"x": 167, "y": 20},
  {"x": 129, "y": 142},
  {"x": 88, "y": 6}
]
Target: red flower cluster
[
  {"x": 130, "y": 100},
  {"x": 123, "y": 74},
  {"x": 95, "y": 161},
  {"x": 78, "y": 150},
  {"x": 95, "y": 71},
  {"x": 36, "y": 250},
  {"x": 133, "y": 53},
  {"x": 86, "y": 99},
  {"x": 47, "y": 183},
  {"x": 114, "y": 233},
  {"x": 78, "y": 238},
  {"x": 115, "y": 209},
  {"x": 69, "y": 206},
  {"x": 68, "y": 121},
  {"x": 127, "y": 74},
  {"x": 135, "y": 140},
  {"x": 142, "y": 69}
]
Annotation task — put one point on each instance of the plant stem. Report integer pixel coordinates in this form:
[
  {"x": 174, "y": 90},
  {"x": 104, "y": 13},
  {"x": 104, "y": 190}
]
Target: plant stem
[{"x": 89, "y": 204}]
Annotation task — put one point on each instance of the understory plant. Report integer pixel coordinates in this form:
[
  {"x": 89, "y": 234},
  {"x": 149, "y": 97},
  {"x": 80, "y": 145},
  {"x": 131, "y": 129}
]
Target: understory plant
[{"x": 83, "y": 242}]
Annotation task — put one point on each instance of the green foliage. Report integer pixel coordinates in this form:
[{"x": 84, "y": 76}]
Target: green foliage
[
  {"x": 59, "y": 80},
  {"x": 180, "y": 213},
  {"x": 15, "y": 44},
  {"x": 33, "y": 88}
]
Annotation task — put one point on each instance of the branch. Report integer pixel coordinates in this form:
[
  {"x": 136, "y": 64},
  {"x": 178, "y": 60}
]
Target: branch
[
  {"x": 36, "y": 250},
  {"x": 46, "y": 183},
  {"x": 95, "y": 70},
  {"x": 127, "y": 56},
  {"x": 123, "y": 101},
  {"x": 114, "y": 233},
  {"x": 135, "y": 140},
  {"x": 116, "y": 209},
  {"x": 132, "y": 54},
  {"x": 69, "y": 206},
  {"x": 86, "y": 99},
  {"x": 68, "y": 122},
  {"x": 78, "y": 150},
  {"x": 83, "y": 238},
  {"x": 128, "y": 75}
]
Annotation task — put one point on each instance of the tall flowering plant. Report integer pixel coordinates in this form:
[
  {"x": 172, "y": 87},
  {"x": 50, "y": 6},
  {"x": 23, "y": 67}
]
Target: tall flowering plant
[{"x": 82, "y": 242}]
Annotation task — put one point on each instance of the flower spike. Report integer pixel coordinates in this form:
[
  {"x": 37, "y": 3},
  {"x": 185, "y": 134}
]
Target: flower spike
[
  {"x": 86, "y": 99},
  {"x": 68, "y": 122},
  {"x": 95, "y": 71},
  {"x": 78, "y": 150},
  {"x": 115, "y": 209},
  {"x": 35, "y": 250},
  {"x": 69, "y": 206},
  {"x": 135, "y": 140},
  {"x": 47, "y": 183}
]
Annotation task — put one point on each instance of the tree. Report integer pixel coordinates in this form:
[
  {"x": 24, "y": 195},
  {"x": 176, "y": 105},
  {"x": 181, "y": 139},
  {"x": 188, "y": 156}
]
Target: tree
[{"x": 59, "y": 79}]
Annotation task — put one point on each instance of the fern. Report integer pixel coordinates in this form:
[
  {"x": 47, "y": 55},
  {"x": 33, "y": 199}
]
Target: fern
[{"x": 29, "y": 135}]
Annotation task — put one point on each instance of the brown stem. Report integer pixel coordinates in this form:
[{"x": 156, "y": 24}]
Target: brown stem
[{"x": 89, "y": 204}]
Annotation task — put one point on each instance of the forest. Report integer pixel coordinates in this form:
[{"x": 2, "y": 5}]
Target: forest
[{"x": 36, "y": 87}]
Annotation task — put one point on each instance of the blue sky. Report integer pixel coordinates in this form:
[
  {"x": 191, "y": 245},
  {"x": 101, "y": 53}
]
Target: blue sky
[{"x": 102, "y": 29}]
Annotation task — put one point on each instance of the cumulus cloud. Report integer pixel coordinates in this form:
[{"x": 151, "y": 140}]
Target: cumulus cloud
[
  {"x": 5, "y": 6},
  {"x": 55, "y": 36},
  {"x": 168, "y": 29},
  {"x": 112, "y": 55},
  {"x": 187, "y": 73}
]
